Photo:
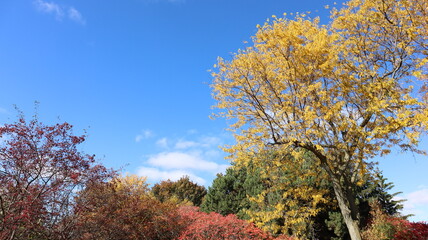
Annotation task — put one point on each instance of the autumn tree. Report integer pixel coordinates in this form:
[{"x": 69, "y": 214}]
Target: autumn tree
[
  {"x": 181, "y": 191},
  {"x": 267, "y": 195},
  {"x": 294, "y": 194},
  {"x": 124, "y": 209},
  {"x": 345, "y": 92},
  {"x": 237, "y": 192},
  {"x": 41, "y": 168}
]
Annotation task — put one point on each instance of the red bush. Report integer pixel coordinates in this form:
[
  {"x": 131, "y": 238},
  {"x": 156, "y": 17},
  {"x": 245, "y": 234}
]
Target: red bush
[
  {"x": 412, "y": 231},
  {"x": 214, "y": 226}
]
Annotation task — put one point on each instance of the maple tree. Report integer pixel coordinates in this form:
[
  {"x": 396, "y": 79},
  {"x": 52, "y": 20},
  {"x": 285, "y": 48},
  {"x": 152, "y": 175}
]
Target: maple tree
[
  {"x": 40, "y": 171},
  {"x": 344, "y": 92}
]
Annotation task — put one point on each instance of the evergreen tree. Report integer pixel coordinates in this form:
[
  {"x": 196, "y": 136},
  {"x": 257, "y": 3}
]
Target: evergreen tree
[
  {"x": 230, "y": 192},
  {"x": 386, "y": 200}
]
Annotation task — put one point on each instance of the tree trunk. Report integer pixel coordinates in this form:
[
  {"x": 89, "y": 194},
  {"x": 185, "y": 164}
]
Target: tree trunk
[
  {"x": 347, "y": 208},
  {"x": 344, "y": 195}
]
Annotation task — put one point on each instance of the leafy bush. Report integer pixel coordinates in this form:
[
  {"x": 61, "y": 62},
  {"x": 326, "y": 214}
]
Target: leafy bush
[
  {"x": 214, "y": 226},
  {"x": 412, "y": 231}
]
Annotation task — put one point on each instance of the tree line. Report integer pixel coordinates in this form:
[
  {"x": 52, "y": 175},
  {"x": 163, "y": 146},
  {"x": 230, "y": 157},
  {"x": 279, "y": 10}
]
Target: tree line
[{"x": 50, "y": 190}]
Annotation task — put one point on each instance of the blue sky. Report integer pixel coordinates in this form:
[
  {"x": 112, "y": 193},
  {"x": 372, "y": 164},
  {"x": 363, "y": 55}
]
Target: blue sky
[{"x": 134, "y": 74}]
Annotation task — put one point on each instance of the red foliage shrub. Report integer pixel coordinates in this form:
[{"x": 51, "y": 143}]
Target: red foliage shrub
[
  {"x": 214, "y": 226},
  {"x": 412, "y": 231}
]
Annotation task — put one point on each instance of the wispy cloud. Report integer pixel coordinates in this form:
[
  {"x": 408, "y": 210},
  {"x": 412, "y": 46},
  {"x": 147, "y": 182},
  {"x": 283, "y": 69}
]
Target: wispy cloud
[
  {"x": 145, "y": 134},
  {"x": 60, "y": 12},
  {"x": 183, "y": 144},
  {"x": 76, "y": 16},
  {"x": 49, "y": 7},
  {"x": 183, "y": 160},
  {"x": 416, "y": 203},
  {"x": 202, "y": 142},
  {"x": 418, "y": 197},
  {"x": 198, "y": 157},
  {"x": 155, "y": 174},
  {"x": 163, "y": 142}
]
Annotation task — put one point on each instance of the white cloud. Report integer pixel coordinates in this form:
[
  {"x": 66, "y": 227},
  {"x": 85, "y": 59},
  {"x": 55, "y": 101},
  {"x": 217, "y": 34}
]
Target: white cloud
[
  {"x": 211, "y": 141},
  {"x": 163, "y": 142},
  {"x": 205, "y": 142},
  {"x": 144, "y": 135},
  {"x": 196, "y": 156},
  {"x": 49, "y": 7},
  {"x": 418, "y": 197},
  {"x": 59, "y": 11},
  {"x": 181, "y": 160},
  {"x": 183, "y": 144},
  {"x": 155, "y": 174},
  {"x": 138, "y": 138},
  {"x": 417, "y": 204},
  {"x": 76, "y": 16}
]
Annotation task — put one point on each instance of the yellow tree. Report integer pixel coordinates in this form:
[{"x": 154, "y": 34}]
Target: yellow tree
[
  {"x": 345, "y": 92},
  {"x": 294, "y": 193}
]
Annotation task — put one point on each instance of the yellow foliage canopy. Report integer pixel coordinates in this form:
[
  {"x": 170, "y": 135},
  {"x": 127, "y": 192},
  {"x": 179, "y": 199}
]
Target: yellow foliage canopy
[
  {"x": 345, "y": 92},
  {"x": 294, "y": 192}
]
